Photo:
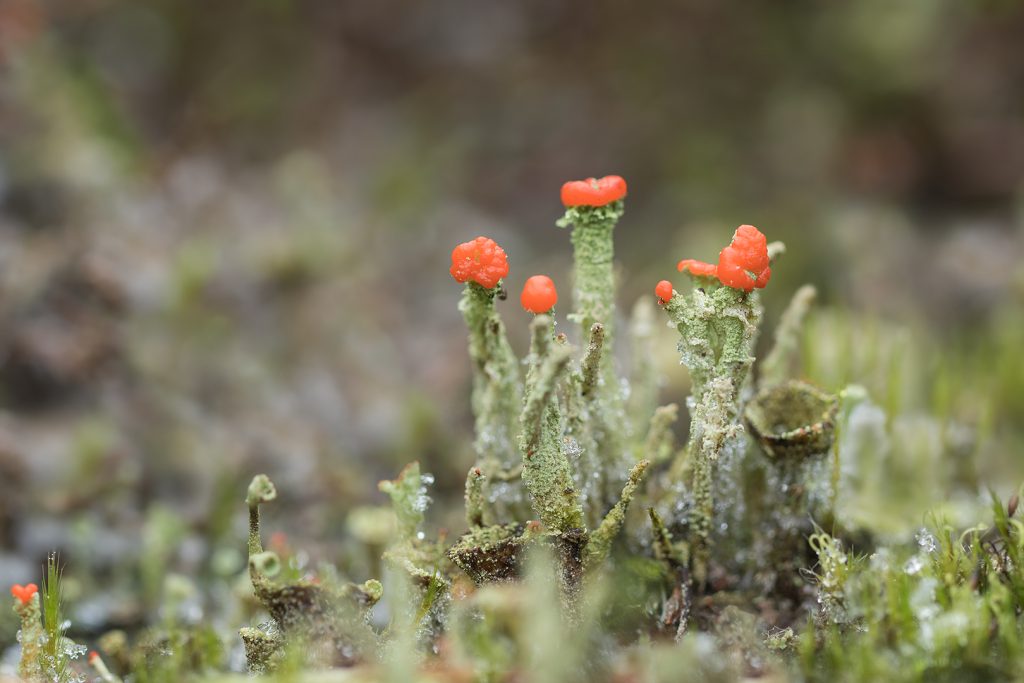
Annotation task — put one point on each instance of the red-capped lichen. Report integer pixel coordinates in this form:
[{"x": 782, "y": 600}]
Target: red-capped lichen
[
  {"x": 480, "y": 260},
  {"x": 663, "y": 291},
  {"x": 594, "y": 191},
  {"x": 24, "y": 593},
  {"x": 744, "y": 263},
  {"x": 699, "y": 268},
  {"x": 539, "y": 294}
]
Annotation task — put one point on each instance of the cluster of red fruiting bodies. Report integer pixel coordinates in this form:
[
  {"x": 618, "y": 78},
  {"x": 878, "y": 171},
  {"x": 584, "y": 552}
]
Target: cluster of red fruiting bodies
[
  {"x": 741, "y": 265},
  {"x": 485, "y": 263},
  {"x": 744, "y": 264},
  {"x": 24, "y": 593}
]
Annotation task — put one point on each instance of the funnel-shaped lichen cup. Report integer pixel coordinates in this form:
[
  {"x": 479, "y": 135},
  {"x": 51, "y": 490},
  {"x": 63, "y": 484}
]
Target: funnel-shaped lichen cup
[
  {"x": 793, "y": 420},
  {"x": 491, "y": 554}
]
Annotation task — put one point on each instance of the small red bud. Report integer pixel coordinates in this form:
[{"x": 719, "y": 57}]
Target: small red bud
[
  {"x": 539, "y": 294},
  {"x": 663, "y": 291}
]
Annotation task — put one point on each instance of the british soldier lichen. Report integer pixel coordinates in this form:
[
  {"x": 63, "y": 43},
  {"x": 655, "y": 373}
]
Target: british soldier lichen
[
  {"x": 593, "y": 209},
  {"x": 717, "y": 327},
  {"x": 32, "y": 635},
  {"x": 481, "y": 264}
]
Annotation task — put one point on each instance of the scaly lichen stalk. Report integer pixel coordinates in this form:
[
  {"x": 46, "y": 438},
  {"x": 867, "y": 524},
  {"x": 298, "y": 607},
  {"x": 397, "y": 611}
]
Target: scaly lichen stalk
[
  {"x": 262, "y": 565},
  {"x": 32, "y": 635},
  {"x": 585, "y": 425},
  {"x": 594, "y": 298},
  {"x": 261, "y": 490},
  {"x": 496, "y": 382},
  {"x": 717, "y": 330},
  {"x": 546, "y": 470},
  {"x": 593, "y": 254},
  {"x": 591, "y": 365},
  {"x": 476, "y": 504},
  {"x": 600, "y": 542}
]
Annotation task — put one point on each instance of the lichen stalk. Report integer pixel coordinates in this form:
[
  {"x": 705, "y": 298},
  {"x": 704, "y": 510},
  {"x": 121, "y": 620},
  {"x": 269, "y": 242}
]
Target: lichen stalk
[
  {"x": 717, "y": 330},
  {"x": 600, "y": 541},
  {"x": 593, "y": 256},
  {"x": 476, "y": 503},
  {"x": 100, "y": 667},
  {"x": 32, "y": 638},
  {"x": 496, "y": 386},
  {"x": 261, "y": 490},
  {"x": 585, "y": 424},
  {"x": 546, "y": 470},
  {"x": 594, "y": 301},
  {"x": 590, "y": 367}
]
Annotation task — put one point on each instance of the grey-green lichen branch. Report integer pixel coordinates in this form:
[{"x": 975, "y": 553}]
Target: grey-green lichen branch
[
  {"x": 546, "y": 470},
  {"x": 593, "y": 255},
  {"x": 476, "y": 503},
  {"x": 605, "y": 428},
  {"x": 496, "y": 388},
  {"x": 32, "y": 637},
  {"x": 600, "y": 542},
  {"x": 591, "y": 365},
  {"x": 717, "y": 327}
]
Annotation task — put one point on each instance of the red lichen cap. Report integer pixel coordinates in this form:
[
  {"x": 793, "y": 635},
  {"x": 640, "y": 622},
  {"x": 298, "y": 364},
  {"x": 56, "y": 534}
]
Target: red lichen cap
[
  {"x": 744, "y": 263},
  {"x": 93, "y": 656},
  {"x": 593, "y": 191},
  {"x": 24, "y": 593},
  {"x": 480, "y": 260},
  {"x": 539, "y": 294},
  {"x": 663, "y": 291},
  {"x": 696, "y": 267}
]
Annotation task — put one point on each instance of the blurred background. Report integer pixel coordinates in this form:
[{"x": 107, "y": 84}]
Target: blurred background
[{"x": 225, "y": 231}]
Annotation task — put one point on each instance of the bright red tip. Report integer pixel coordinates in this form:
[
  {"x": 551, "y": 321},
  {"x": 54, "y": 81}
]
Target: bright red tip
[
  {"x": 539, "y": 294},
  {"x": 744, "y": 263},
  {"x": 24, "y": 593},
  {"x": 480, "y": 260},
  {"x": 696, "y": 267},
  {"x": 593, "y": 191},
  {"x": 93, "y": 656},
  {"x": 663, "y": 291}
]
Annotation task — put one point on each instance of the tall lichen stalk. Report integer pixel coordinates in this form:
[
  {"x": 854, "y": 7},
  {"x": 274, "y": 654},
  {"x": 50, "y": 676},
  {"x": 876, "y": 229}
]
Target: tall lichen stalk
[
  {"x": 546, "y": 470},
  {"x": 603, "y": 430},
  {"x": 496, "y": 397},
  {"x": 32, "y": 637},
  {"x": 717, "y": 327}
]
